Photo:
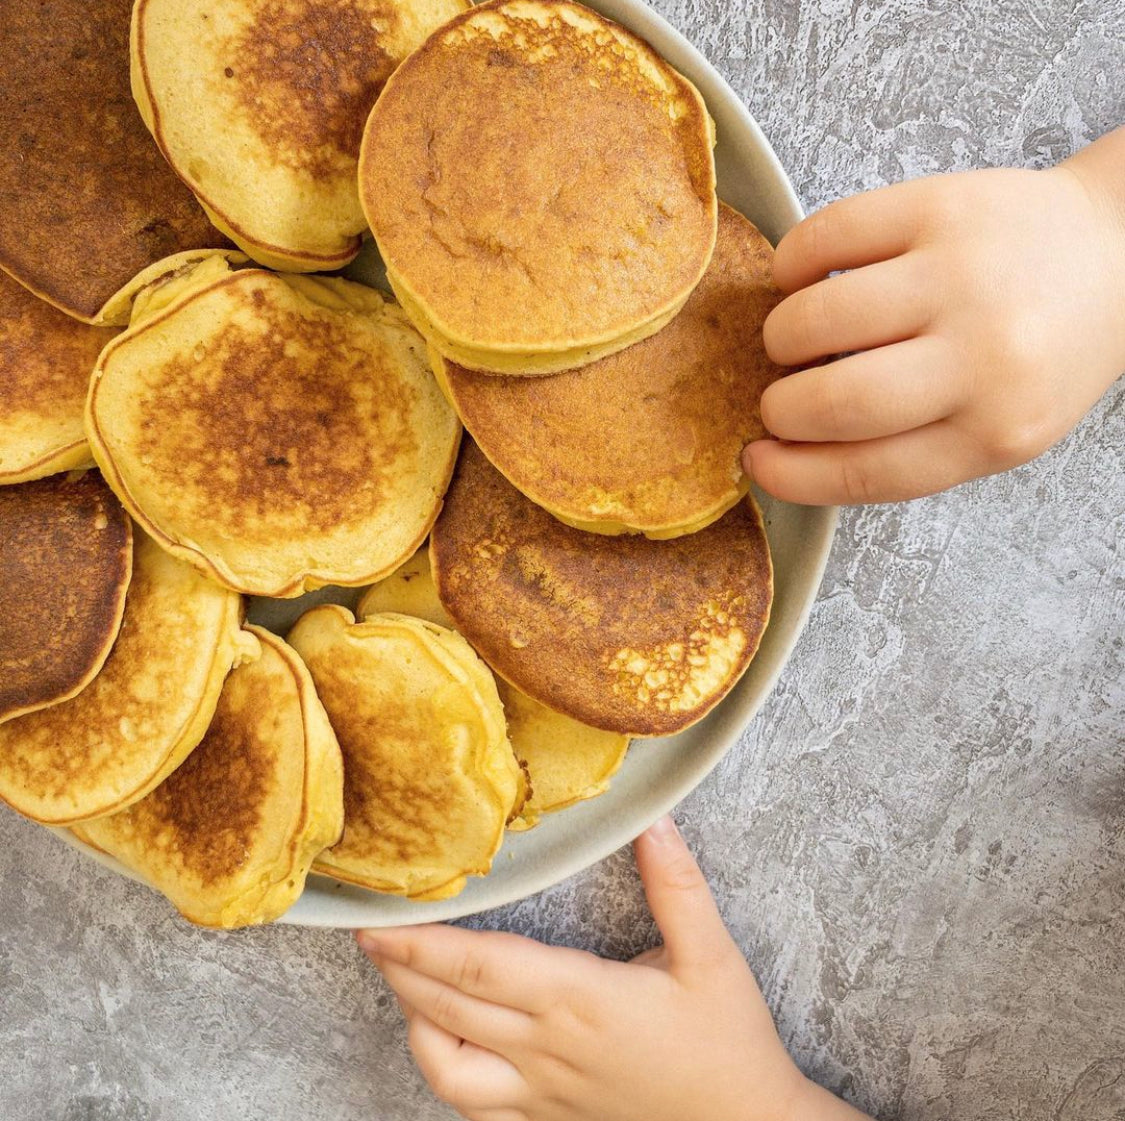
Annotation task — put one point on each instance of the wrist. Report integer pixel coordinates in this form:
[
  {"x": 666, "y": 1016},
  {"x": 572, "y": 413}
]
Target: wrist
[
  {"x": 1099, "y": 169},
  {"x": 814, "y": 1103}
]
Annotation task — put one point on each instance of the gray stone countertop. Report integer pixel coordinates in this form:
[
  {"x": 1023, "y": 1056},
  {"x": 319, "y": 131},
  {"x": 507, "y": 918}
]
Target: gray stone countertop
[{"x": 919, "y": 843}]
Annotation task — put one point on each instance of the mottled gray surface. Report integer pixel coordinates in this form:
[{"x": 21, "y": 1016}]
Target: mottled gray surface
[{"x": 921, "y": 841}]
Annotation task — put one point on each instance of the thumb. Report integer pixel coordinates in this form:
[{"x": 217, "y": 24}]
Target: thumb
[{"x": 678, "y": 896}]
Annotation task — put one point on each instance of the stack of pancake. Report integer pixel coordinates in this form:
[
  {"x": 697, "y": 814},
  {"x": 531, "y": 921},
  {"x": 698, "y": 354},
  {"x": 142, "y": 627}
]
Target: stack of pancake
[{"x": 193, "y": 424}]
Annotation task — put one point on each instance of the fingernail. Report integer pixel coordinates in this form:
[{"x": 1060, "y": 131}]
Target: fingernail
[
  {"x": 664, "y": 830},
  {"x": 370, "y": 941}
]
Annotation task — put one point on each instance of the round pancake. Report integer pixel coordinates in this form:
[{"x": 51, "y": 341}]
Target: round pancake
[
  {"x": 143, "y": 713},
  {"x": 649, "y": 438},
  {"x": 565, "y": 761},
  {"x": 541, "y": 186},
  {"x": 279, "y": 433},
  {"x": 624, "y": 633},
  {"x": 88, "y": 199},
  {"x": 259, "y": 106},
  {"x": 429, "y": 775},
  {"x": 66, "y": 552},
  {"x": 230, "y": 835},
  {"x": 45, "y": 364}
]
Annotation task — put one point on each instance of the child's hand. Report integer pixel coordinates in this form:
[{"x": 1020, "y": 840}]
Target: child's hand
[
  {"x": 506, "y": 1029},
  {"x": 989, "y": 312}
]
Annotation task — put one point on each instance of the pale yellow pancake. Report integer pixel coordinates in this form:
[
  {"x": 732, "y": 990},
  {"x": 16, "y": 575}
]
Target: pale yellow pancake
[
  {"x": 429, "y": 776},
  {"x": 647, "y": 440},
  {"x": 259, "y": 106},
  {"x": 623, "y": 633},
  {"x": 66, "y": 554},
  {"x": 143, "y": 713},
  {"x": 565, "y": 761},
  {"x": 278, "y": 432},
  {"x": 541, "y": 186},
  {"x": 230, "y": 835}
]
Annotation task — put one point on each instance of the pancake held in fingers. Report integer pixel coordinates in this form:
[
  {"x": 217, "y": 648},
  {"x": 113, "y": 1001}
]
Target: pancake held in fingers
[
  {"x": 541, "y": 187},
  {"x": 45, "y": 363},
  {"x": 565, "y": 761},
  {"x": 621, "y": 633},
  {"x": 259, "y": 105},
  {"x": 144, "y": 712},
  {"x": 66, "y": 551},
  {"x": 280, "y": 433},
  {"x": 89, "y": 201},
  {"x": 230, "y": 835},
  {"x": 649, "y": 438},
  {"x": 429, "y": 775}
]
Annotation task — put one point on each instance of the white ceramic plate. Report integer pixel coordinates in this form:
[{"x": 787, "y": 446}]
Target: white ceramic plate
[{"x": 657, "y": 773}]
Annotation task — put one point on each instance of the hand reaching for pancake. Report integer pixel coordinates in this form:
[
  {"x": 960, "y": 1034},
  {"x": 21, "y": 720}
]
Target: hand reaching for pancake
[
  {"x": 985, "y": 315},
  {"x": 506, "y": 1029}
]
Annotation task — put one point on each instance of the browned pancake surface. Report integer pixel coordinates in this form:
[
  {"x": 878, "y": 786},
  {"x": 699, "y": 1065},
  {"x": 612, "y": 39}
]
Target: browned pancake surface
[
  {"x": 528, "y": 185},
  {"x": 649, "y": 437},
  {"x": 208, "y": 813},
  {"x": 45, "y": 364},
  {"x": 622, "y": 633},
  {"x": 66, "y": 556},
  {"x": 88, "y": 199},
  {"x": 308, "y": 74}
]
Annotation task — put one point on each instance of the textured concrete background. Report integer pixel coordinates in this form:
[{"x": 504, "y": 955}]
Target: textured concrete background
[{"x": 920, "y": 843}]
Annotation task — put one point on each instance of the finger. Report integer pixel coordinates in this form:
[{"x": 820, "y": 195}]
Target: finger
[
  {"x": 502, "y": 968},
  {"x": 872, "y": 306},
  {"x": 891, "y": 469},
  {"x": 464, "y": 1075},
  {"x": 678, "y": 896},
  {"x": 468, "y": 1017},
  {"x": 875, "y": 393},
  {"x": 869, "y": 227}
]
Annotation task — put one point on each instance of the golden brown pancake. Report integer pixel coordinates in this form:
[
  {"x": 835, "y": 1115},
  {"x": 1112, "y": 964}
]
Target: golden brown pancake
[
  {"x": 66, "y": 552},
  {"x": 565, "y": 761},
  {"x": 649, "y": 438},
  {"x": 45, "y": 363},
  {"x": 541, "y": 186},
  {"x": 143, "y": 713},
  {"x": 429, "y": 775},
  {"x": 259, "y": 105},
  {"x": 625, "y": 633},
  {"x": 88, "y": 199},
  {"x": 230, "y": 835},
  {"x": 277, "y": 432}
]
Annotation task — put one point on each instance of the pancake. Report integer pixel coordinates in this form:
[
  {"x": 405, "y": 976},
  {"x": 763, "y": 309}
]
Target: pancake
[
  {"x": 45, "y": 364},
  {"x": 429, "y": 775},
  {"x": 66, "y": 554},
  {"x": 648, "y": 439},
  {"x": 88, "y": 199},
  {"x": 230, "y": 835},
  {"x": 623, "y": 633},
  {"x": 279, "y": 433},
  {"x": 143, "y": 713},
  {"x": 259, "y": 106},
  {"x": 541, "y": 186},
  {"x": 566, "y": 762}
]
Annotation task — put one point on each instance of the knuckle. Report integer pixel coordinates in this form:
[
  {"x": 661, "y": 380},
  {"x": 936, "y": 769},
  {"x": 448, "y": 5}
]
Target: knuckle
[
  {"x": 1015, "y": 441},
  {"x": 683, "y": 874},
  {"x": 471, "y": 973},
  {"x": 445, "y": 1009},
  {"x": 834, "y": 404},
  {"x": 857, "y": 483}
]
